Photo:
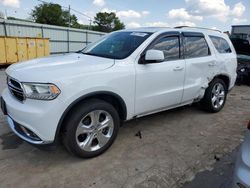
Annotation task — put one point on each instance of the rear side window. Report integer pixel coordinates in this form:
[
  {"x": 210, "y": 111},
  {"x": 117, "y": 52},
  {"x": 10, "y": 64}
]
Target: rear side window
[
  {"x": 170, "y": 47},
  {"x": 220, "y": 44},
  {"x": 195, "y": 46}
]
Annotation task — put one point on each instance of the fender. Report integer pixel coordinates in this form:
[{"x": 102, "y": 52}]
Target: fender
[{"x": 121, "y": 101}]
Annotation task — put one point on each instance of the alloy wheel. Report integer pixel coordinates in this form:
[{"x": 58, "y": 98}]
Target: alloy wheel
[
  {"x": 94, "y": 130},
  {"x": 218, "y": 95}
]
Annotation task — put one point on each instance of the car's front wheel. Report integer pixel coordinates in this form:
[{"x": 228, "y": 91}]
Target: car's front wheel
[
  {"x": 91, "y": 128},
  {"x": 215, "y": 96}
]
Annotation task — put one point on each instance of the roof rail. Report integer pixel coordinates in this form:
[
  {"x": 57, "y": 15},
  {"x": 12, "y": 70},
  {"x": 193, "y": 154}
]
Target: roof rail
[{"x": 179, "y": 27}]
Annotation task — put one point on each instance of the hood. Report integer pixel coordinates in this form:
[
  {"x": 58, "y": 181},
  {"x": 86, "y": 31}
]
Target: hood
[{"x": 57, "y": 67}]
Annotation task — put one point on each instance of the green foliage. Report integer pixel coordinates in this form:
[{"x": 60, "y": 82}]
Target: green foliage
[
  {"x": 107, "y": 22},
  {"x": 53, "y": 14},
  {"x": 18, "y": 19}
]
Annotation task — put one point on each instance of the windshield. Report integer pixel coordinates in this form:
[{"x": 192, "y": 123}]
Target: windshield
[{"x": 118, "y": 45}]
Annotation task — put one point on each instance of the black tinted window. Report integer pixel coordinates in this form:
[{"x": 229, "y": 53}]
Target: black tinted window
[
  {"x": 170, "y": 47},
  {"x": 221, "y": 44},
  {"x": 118, "y": 45},
  {"x": 196, "y": 47}
]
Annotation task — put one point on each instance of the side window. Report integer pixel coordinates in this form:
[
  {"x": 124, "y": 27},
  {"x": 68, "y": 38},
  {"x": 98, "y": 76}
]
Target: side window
[
  {"x": 220, "y": 44},
  {"x": 170, "y": 47},
  {"x": 195, "y": 46}
]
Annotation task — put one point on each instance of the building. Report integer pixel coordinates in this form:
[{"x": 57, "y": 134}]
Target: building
[{"x": 241, "y": 32}]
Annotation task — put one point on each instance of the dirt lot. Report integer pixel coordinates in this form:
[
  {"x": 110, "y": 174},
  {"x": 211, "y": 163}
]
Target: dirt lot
[{"x": 174, "y": 147}]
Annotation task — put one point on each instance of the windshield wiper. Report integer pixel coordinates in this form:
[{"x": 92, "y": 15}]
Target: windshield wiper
[
  {"x": 80, "y": 51},
  {"x": 98, "y": 55}
]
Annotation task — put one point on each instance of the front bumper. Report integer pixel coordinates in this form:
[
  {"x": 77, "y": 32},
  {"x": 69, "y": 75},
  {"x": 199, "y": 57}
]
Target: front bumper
[
  {"x": 38, "y": 119},
  {"x": 16, "y": 128}
]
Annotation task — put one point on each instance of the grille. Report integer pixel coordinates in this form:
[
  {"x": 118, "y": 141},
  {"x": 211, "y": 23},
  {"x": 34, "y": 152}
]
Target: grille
[{"x": 15, "y": 89}]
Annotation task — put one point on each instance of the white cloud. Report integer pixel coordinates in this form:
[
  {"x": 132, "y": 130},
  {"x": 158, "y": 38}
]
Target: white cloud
[
  {"x": 11, "y": 3},
  {"x": 128, "y": 14},
  {"x": 182, "y": 14},
  {"x": 157, "y": 24},
  {"x": 132, "y": 25},
  {"x": 207, "y": 6},
  {"x": 238, "y": 10},
  {"x": 125, "y": 14},
  {"x": 185, "y": 23},
  {"x": 217, "y": 9},
  {"x": 239, "y": 21},
  {"x": 108, "y": 10},
  {"x": 99, "y": 3},
  {"x": 145, "y": 12}
]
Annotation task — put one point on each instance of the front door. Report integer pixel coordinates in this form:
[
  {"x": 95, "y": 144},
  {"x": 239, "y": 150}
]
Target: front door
[{"x": 159, "y": 85}]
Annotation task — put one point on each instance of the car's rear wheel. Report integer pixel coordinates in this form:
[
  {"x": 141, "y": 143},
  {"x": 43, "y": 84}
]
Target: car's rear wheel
[
  {"x": 91, "y": 128},
  {"x": 215, "y": 96}
]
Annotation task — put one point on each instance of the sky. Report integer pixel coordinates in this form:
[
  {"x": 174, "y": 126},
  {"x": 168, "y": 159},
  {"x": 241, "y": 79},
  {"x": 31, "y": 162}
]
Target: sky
[{"x": 217, "y": 14}]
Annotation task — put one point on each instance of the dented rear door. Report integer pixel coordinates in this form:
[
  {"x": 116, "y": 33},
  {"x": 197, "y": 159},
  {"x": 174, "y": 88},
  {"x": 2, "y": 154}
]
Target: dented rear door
[{"x": 200, "y": 65}]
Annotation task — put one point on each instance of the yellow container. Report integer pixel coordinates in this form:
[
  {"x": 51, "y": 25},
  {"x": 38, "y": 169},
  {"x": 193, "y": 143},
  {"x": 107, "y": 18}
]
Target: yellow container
[
  {"x": 2, "y": 51},
  {"x": 39, "y": 47},
  {"x": 31, "y": 43},
  {"x": 16, "y": 49},
  {"x": 11, "y": 50},
  {"x": 46, "y": 47},
  {"x": 22, "y": 49}
]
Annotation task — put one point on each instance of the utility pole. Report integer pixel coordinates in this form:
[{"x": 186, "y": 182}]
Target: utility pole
[
  {"x": 69, "y": 17},
  {"x": 6, "y": 16},
  {"x": 90, "y": 22}
]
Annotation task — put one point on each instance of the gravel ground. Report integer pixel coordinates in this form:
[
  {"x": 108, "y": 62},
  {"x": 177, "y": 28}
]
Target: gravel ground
[{"x": 175, "y": 146}]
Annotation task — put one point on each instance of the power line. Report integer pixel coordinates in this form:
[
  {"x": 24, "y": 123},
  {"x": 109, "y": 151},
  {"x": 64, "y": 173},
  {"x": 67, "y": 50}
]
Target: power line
[{"x": 90, "y": 18}]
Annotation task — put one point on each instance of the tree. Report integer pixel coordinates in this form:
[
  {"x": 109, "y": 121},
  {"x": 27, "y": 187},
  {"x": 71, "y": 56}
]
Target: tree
[
  {"x": 107, "y": 22},
  {"x": 53, "y": 14}
]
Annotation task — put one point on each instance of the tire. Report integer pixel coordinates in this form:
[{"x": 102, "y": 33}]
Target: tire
[
  {"x": 216, "y": 90},
  {"x": 91, "y": 128}
]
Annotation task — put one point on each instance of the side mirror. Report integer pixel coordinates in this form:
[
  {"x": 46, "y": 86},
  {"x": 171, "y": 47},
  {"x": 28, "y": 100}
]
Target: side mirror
[{"x": 154, "y": 56}]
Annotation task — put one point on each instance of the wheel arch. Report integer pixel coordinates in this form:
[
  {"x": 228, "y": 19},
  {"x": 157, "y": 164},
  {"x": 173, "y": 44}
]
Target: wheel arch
[
  {"x": 225, "y": 78},
  {"x": 110, "y": 97}
]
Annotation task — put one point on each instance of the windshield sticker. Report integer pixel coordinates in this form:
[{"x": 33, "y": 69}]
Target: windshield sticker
[{"x": 139, "y": 34}]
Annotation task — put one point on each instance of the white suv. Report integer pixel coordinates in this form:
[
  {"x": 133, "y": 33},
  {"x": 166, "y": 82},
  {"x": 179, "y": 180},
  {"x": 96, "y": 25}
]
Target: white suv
[{"x": 82, "y": 97}]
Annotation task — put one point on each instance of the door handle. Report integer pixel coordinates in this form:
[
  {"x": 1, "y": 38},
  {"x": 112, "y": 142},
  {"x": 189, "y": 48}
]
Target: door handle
[
  {"x": 178, "y": 68},
  {"x": 211, "y": 64}
]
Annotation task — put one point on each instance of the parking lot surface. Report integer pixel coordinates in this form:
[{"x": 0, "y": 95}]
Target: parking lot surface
[{"x": 174, "y": 146}]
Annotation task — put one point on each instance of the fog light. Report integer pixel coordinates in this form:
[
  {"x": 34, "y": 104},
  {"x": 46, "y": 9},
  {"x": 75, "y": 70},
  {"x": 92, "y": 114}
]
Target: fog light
[{"x": 29, "y": 133}]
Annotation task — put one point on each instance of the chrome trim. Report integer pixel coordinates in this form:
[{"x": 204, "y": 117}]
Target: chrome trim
[
  {"x": 16, "y": 89},
  {"x": 12, "y": 126}
]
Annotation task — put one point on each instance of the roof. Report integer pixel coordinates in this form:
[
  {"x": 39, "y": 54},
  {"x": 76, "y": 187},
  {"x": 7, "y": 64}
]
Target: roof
[
  {"x": 148, "y": 29},
  {"x": 166, "y": 29}
]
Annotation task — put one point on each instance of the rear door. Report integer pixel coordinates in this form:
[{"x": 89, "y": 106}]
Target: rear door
[{"x": 200, "y": 64}]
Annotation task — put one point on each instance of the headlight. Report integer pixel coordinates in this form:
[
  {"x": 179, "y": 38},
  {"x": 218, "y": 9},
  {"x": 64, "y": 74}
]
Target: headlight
[{"x": 41, "y": 91}]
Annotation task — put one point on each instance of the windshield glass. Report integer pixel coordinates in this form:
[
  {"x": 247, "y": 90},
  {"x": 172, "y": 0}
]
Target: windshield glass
[{"x": 117, "y": 45}]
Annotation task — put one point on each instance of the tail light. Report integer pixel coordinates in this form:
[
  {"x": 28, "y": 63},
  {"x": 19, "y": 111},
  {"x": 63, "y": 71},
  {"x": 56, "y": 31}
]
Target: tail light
[{"x": 248, "y": 125}]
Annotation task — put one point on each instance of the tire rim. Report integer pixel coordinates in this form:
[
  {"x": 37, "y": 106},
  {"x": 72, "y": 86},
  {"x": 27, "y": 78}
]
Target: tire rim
[
  {"x": 218, "y": 95},
  {"x": 94, "y": 130}
]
